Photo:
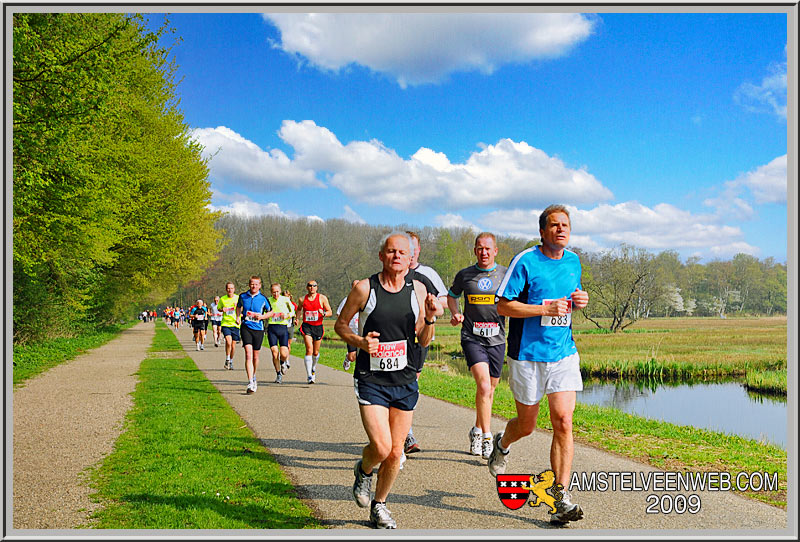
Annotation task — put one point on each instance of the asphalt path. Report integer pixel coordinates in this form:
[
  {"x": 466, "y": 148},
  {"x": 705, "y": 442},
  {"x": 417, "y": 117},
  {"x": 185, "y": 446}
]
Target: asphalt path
[{"x": 314, "y": 432}]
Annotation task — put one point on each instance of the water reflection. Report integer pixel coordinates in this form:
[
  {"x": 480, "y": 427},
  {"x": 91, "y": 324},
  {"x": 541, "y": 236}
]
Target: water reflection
[{"x": 722, "y": 405}]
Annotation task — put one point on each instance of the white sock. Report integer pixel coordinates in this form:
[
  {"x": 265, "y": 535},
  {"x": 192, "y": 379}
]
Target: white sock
[
  {"x": 476, "y": 429},
  {"x": 314, "y": 365},
  {"x": 308, "y": 361},
  {"x": 487, "y": 436}
]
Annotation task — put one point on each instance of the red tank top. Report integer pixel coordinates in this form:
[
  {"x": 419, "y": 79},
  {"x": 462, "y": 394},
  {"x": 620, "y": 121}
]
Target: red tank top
[{"x": 312, "y": 311}]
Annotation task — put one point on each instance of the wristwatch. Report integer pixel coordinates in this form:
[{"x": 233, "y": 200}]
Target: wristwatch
[{"x": 427, "y": 323}]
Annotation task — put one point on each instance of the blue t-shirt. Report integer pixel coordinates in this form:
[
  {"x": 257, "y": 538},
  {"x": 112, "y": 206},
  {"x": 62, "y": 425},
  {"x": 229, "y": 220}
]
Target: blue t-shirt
[
  {"x": 253, "y": 303},
  {"x": 531, "y": 278}
]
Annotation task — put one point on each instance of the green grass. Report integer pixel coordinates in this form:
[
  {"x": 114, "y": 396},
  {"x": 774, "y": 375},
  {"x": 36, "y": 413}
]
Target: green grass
[
  {"x": 773, "y": 382},
  {"x": 186, "y": 460},
  {"x": 30, "y": 360},
  {"x": 663, "y": 445}
]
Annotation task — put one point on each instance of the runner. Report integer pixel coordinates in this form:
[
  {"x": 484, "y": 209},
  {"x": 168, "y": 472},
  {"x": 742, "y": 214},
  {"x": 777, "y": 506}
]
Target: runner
[
  {"x": 434, "y": 285},
  {"x": 313, "y": 309},
  {"x": 350, "y": 357},
  {"x": 255, "y": 308},
  {"x": 292, "y": 325},
  {"x": 230, "y": 322},
  {"x": 278, "y": 330},
  {"x": 198, "y": 315},
  {"x": 395, "y": 312},
  {"x": 215, "y": 314},
  {"x": 540, "y": 289},
  {"x": 483, "y": 334}
]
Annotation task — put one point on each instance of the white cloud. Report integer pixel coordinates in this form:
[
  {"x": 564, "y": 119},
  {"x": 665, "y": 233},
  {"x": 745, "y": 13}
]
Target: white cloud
[
  {"x": 500, "y": 175},
  {"x": 244, "y": 207},
  {"x": 236, "y": 161},
  {"x": 662, "y": 227},
  {"x": 765, "y": 184},
  {"x": 416, "y": 48},
  {"x": 451, "y": 220},
  {"x": 769, "y": 96},
  {"x": 351, "y": 216},
  {"x": 768, "y": 182}
]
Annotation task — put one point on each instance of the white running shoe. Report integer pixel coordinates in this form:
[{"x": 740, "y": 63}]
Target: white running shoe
[
  {"x": 362, "y": 486},
  {"x": 475, "y": 441},
  {"x": 198, "y": 346},
  {"x": 497, "y": 459},
  {"x": 250, "y": 388},
  {"x": 202, "y": 346},
  {"x": 380, "y": 518},
  {"x": 346, "y": 364},
  {"x": 566, "y": 511},
  {"x": 486, "y": 449}
]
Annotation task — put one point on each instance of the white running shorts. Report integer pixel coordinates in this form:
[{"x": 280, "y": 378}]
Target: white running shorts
[{"x": 531, "y": 380}]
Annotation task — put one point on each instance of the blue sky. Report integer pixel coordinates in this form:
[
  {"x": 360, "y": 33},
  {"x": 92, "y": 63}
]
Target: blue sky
[{"x": 667, "y": 131}]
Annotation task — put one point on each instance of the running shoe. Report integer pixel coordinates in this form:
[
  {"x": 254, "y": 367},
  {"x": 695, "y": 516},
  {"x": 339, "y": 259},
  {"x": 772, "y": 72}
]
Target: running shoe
[
  {"x": 411, "y": 445},
  {"x": 402, "y": 460},
  {"x": 497, "y": 459},
  {"x": 380, "y": 518},
  {"x": 216, "y": 344},
  {"x": 288, "y": 365},
  {"x": 486, "y": 449},
  {"x": 226, "y": 364},
  {"x": 362, "y": 486},
  {"x": 255, "y": 384},
  {"x": 198, "y": 346},
  {"x": 474, "y": 442},
  {"x": 250, "y": 388},
  {"x": 202, "y": 346},
  {"x": 283, "y": 368},
  {"x": 346, "y": 364},
  {"x": 566, "y": 511},
  {"x": 311, "y": 379},
  {"x": 279, "y": 378}
]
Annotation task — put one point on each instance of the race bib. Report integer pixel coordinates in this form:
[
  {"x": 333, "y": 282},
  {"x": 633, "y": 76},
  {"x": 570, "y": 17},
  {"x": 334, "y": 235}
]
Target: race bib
[
  {"x": 199, "y": 316},
  {"x": 231, "y": 311},
  {"x": 251, "y": 316},
  {"x": 276, "y": 318},
  {"x": 312, "y": 316},
  {"x": 391, "y": 356},
  {"x": 217, "y": 315},
  {"x": 558, "y": 321},
  {"x": 486, "y": 329}
]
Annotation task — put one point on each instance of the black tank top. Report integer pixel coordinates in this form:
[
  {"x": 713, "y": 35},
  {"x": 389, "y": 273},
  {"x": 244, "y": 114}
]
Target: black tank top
[{"x": 394, "y": 316}]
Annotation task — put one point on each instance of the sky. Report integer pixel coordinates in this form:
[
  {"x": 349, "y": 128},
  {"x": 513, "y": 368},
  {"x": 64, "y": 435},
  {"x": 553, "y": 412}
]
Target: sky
[{"x": 666, "y": 131}]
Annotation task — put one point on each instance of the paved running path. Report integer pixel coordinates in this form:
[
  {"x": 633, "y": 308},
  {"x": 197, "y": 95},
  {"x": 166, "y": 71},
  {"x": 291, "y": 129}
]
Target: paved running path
[
  {"x": 315, "y": 433},
  {"x": 66, "y": 420}
]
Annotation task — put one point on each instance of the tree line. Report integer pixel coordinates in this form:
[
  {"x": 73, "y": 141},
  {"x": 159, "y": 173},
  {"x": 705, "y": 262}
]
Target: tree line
[
  {"x": 110, "y": 195},
  {"x": 625, "y": 283}
]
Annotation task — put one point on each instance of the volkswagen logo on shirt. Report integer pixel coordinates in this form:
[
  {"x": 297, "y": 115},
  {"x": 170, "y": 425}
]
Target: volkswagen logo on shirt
[{"x": 485, "y": 284}]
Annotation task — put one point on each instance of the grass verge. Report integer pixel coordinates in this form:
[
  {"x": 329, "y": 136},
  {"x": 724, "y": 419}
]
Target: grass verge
[
  {"x": 30, "y": 360},
  {"x": 660, "y": 444},
  {"x": 187, "y": 461}
]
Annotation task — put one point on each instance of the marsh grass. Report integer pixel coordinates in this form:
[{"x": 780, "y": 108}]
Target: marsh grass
[
  {"x": 771, "y": 382},
  {"x": 186, "y": 460}
]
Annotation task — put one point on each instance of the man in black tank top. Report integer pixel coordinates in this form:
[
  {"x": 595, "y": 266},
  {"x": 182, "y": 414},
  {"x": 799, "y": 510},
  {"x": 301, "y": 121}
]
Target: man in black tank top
[{"x": 395, "y": 312}]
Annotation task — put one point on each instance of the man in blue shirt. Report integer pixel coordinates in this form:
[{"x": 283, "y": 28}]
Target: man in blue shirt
[
  {"x": 252, "y": 309},
  {"x": 539, "y": 291}
]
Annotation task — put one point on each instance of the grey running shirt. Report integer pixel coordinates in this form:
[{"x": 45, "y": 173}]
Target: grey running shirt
[{"x": 481, "y": 324}]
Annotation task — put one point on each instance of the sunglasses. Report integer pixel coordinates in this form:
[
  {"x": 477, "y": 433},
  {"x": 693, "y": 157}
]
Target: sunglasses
[{"x": 311, "y": 285}]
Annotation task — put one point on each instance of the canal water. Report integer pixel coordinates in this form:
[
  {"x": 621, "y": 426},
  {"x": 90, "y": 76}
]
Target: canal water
[
  {"x": 723, "y": 405},
  {"x": 726, "y": 407}
]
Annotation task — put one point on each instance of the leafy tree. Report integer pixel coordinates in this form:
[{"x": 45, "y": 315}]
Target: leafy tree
[{"x": 110, "y": 195}]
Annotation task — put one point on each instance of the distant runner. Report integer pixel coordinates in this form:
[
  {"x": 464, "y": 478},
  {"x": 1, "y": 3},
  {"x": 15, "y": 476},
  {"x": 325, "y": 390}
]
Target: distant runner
[
  {"x": 483, "y": 333},
  {"x": 230, "y": 322},
  {"x": 252, "y": 309},
  {"x": 350, "y": 357},
  {"x": 199, "y": 318},
  {"x": 215, "y": 315},
  {"x": 313, "y": 309},
  {"x": 278, "y": 330}
]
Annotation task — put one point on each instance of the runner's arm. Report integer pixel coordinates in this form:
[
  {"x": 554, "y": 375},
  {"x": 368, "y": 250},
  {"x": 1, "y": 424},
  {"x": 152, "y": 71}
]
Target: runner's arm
[
  {"x": 452, "y": 304},
  {"x": 518, "y": 309},
  {"x": 429, "y": 306},
  {"x": 356, "y": 299}
]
